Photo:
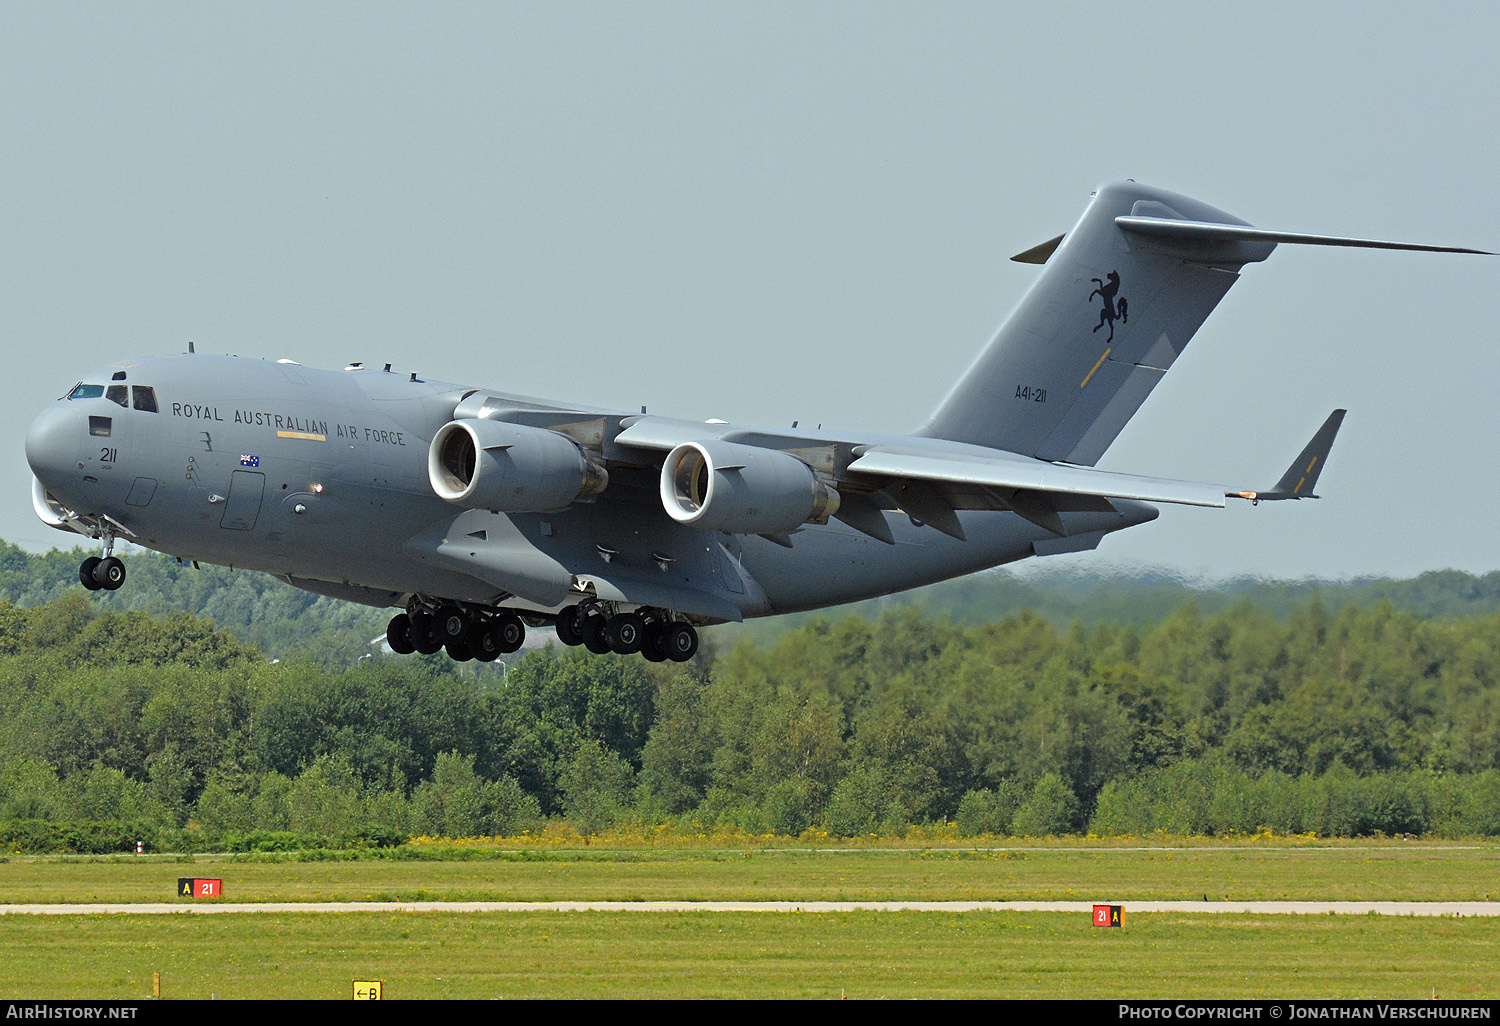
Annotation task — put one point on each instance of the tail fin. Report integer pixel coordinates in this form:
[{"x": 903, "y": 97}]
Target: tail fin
[{"x": 1119, "y": 299}]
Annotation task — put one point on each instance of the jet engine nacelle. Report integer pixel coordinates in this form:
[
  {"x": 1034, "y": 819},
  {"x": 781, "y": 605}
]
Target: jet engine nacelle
[
  {"x": 722, "y": 486},
  {"x": 510, "y": 468}
]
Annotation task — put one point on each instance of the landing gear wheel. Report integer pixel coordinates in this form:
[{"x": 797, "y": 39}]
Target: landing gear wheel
[
  {"x": 450, "y": 624},
  {"x": 398, "y": 635},
  {"x": 680, "y": 641},
  {"x": 494, "y": 637},
  {"x": 423, "y": 638},
  {"x": 569, "y": 629},
  {"x": 109, "y": 573},
  {"x": 593, "y": 635},
  {"x": 458, "y": 650},
  {"x": 86, "y": 573},
  {"x": 625, "y": 633},
  {"x": 654, "y": 646},
  {"x": 484, "y": 641},
  {"x": 511, "y": 632}
]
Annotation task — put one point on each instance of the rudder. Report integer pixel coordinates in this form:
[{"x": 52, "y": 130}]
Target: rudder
[{"x": 1104, "y": 321}]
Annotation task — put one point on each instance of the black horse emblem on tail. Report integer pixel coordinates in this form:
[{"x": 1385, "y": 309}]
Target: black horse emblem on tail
[{"x": 1107, "y": 291}]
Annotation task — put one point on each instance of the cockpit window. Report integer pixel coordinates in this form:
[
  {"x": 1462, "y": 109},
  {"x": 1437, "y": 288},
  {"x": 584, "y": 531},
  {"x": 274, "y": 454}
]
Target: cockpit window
[
  {"x": 117, "y": 394},
  {"x": 86, "y": 392},
  {"x": 145, "y": 398},
  {"x": 100, "y": 426}
]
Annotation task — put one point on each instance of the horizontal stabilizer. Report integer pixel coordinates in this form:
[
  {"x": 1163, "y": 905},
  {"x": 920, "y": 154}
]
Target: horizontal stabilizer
[
  {"x": 1039, "y": 254},
  {"x": 1203, "y": 231},
  {"x": 1302, "y": 476}
]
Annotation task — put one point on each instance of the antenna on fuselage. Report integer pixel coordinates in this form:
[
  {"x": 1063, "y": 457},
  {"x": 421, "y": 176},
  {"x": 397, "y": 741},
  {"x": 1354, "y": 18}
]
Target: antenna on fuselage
[{"x": 190, "y": 347}]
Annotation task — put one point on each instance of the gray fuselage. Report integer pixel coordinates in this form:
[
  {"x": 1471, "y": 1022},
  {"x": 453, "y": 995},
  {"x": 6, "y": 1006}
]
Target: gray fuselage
[{"x": 321, "y": 478}]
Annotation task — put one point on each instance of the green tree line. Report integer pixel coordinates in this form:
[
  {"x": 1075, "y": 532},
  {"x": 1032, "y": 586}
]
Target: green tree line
[
  {"x": 1353, "y": 721},
  {"x": 286, "y": 623}
]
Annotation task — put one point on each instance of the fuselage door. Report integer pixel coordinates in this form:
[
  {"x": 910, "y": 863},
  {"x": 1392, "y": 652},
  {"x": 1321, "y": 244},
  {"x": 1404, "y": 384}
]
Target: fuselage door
[{"x": 242, "y": 509}]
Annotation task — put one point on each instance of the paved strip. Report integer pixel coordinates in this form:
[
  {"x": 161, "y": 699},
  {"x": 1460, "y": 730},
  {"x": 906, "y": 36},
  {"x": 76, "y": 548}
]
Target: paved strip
[{"x": 1384, "y": 908}]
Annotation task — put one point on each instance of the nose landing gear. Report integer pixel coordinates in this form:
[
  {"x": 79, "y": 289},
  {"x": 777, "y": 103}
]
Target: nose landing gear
[{"x": 95, "y": 573}]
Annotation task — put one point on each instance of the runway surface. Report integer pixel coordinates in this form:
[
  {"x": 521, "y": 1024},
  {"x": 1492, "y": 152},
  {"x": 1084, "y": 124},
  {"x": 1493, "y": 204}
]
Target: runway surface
[{"x": 1384, "y": 908}]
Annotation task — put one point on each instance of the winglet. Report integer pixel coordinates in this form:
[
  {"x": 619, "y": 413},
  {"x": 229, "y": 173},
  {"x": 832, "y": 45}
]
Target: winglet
[{"x": 1302, "y": 476}]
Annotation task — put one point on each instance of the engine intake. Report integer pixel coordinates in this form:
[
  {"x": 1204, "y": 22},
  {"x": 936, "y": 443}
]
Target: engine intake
[
  {"x": 723, "y": 486},
  {"x": 510, "y": 468}
]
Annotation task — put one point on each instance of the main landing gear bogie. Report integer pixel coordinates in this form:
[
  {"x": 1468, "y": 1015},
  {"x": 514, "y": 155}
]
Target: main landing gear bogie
[
  {"x": 463, "y": 634},
  {"x": 653, "y": 634}
]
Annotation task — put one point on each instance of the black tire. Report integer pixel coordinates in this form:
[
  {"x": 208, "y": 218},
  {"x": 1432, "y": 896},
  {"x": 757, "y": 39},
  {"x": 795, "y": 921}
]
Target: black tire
[
  {"x": 625, "y": 633},
  {"x": 569, "y": 630},
  {"x": 654, "y": 647},
  {"x": 450, "y": 624},
  {"x": 511, "y": 632},
  {"x": 86, "y": 573},
  {"x": 398, "y": 635},
  {"x": 110, "y": 573},
  {"x": 484, "y": 641},
  {"x": 680, "y": 641},
  {"x": 459, "y": 651},
  {"x": 423, "y": 638},
  {"x": 593, "y": 635}
]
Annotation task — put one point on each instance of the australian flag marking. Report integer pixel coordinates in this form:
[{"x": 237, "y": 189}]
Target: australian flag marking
[{"x": 249, "y": 461}]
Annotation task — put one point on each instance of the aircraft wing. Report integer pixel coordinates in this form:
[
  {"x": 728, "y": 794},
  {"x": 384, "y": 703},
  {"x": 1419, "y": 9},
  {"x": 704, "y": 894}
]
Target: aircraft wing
[
  {"x": 932, "y": 485},
  {"x": 1031, "y": 475},
  {"x": 924, "y": 482},
  {"x": 931, "y": 479}
]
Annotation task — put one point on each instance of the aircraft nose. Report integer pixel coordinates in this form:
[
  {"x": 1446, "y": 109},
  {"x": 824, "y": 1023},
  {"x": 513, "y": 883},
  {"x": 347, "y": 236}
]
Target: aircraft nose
[{"x": 52, "y": 443}]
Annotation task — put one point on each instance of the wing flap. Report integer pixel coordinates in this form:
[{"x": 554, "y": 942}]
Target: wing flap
[{"x": 1032, "y": 476}]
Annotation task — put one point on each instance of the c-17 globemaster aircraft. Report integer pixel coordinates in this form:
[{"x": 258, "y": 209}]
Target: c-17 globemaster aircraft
[{"x": 480, "y": 513}]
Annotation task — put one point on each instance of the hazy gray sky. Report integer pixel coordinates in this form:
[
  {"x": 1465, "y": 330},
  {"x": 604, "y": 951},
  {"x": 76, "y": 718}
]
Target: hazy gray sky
[{"x": 771, "y": 212}]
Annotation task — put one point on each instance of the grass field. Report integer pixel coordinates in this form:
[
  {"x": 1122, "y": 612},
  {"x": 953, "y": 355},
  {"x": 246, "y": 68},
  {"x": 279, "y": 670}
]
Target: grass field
[
  {"x": 1379, "y": 871},
  {"x": 763, "y": 955},
  {"x": 700, "y": 954}
]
